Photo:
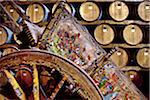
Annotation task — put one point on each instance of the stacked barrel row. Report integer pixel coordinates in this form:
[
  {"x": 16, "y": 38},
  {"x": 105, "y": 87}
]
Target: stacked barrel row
[
  {"x": 89, "y": 11},
  {"x": 117, "y": 11},
  {"x": 129, "y": 35},
  {"x": 104, "y": 33}
]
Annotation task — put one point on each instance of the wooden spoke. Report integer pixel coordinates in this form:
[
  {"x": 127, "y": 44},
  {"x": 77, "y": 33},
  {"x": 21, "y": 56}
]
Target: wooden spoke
[
  {"x": 35, "y": 83},
  {"x": 43, "y": 80},
  {"x": 18, "y": 91},
  {"x": 58, "y": 87},
  {"x": 43, "y": 92}
]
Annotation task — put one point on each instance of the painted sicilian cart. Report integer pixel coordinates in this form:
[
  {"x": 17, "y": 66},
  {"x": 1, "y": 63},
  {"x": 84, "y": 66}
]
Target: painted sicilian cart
[
  {"x": 37, "y": 74},
  {"x": 66, "y": 37}
]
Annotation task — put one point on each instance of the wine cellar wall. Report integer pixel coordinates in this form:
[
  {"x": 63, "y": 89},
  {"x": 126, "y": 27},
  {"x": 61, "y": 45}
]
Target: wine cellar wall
[{"x": 123, "y": 24}]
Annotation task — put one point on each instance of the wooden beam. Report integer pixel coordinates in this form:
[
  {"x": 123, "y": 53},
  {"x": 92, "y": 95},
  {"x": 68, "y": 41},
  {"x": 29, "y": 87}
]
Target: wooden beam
[
  {"x": 125, "y": 22},
  {"x": 125, "y": 45}
]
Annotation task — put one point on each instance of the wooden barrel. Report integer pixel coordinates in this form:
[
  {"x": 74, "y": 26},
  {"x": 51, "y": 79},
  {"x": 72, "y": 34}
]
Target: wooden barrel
[
  {"x": 9, "y": 50},
  {"x": 68, "y": 7},
  {"x": 131, "y": 74},
  {"x": 118, "y": 11},
  {"x": 143, "y": 57},
  {"x": 37, "y": 12},
  {"x": 24, "y": 76},
  {"x": 104, "y": 34},
  {"x": 135, "y": 77},
  {"x": 5, "y": 35},
  {"x": 12, "y": 12},
  {"x": 120, "y": 58},
  {"x": 89, "y": 11},
  {"x": 132, "y": 34},
  {"x": 144, "y": 11}
]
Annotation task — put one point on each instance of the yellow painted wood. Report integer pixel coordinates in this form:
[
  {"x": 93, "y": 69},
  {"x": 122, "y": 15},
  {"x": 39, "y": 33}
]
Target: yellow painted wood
[
  {"x": 144, "y": 10},
  {"x": 3, "y": 35},
  {"x": 132, "y": 34},
  {"x": 120, "y": 58},
  {"x": 89, "y": 11},
  {"x": 143, "y": 57},
  {"x": 18, "y": 91},
  {"x": 35, "y": 83},
  {"x": 118, "y": 11},
  {"x": 36, "y": 12},
  {"x": 104, "y": 34}
]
